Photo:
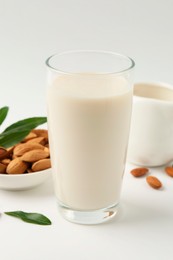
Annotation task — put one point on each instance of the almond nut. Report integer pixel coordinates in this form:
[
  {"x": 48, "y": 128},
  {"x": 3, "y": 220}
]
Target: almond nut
[
  {"x": 169, "y": 171},
  {"x": 3, "y": 168},
  {"x": 14, "y": 156},
  {"x": 6, "y": 153},
  {"x": 38, "y": 140},
  {"x": 16, "y": 166},
  {"x": 41, "y": 165},
  {"x": 3, "y": 152},
  {"x": 154, "y": 182},
  {"x": 138, "y": 172},
  {"x": 6, "y": 161},
  {"x": 34, "y": 155},
  {"x": 41, "y": 132},
  {"x": 20, "y": 149},
  {"x": 46, "y": 149},
  {"x": 30, "y": 136}
]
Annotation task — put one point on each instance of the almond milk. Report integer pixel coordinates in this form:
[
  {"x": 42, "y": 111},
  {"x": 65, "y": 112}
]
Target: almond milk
[{"x": 88, "y": 120}]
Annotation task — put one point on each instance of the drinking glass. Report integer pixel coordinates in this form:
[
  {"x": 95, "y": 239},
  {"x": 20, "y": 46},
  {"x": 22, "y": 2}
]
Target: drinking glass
[{"x": 89, "y": 101}]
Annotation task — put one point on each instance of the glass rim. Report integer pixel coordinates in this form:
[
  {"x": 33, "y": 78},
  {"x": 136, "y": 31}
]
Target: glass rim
[{"x": 131, "y": 66}]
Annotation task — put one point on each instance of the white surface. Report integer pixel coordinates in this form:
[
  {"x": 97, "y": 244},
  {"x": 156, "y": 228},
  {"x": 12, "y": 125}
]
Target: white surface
[
  {"x": 30, "y": 31},
  {"x": 143, "y": 230}
]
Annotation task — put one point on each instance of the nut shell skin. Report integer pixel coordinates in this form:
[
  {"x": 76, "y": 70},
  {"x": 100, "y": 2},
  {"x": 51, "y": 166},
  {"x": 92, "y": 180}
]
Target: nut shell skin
[
  {"x": 169, "y": 171},
  {"x": 34, "y": 155},
  {"x": 138, "y": 172},
  {"x": 41, "y": 165},
  {"x": 154, "y": 182},
  {"x": 16, "y": 166},
  {"x": 20, "y": 149}
]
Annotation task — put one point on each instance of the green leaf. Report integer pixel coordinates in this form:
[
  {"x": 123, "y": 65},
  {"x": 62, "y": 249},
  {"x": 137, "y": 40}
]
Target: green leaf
[
  {"x": 11, "y": 138},
  {"x": 3, "y": 114},
  {"x": 34, "y": 218},
  {"x": 19, "y": 130},
  {"x": 29, "y": 123}
]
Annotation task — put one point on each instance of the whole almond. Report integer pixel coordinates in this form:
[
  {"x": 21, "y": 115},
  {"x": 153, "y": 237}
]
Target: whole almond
[
  {"x": 41, "y": 132},
  {"x": 34, "y": 155},
  {"x": 30, "y": 136},
  {"x": 7, "y": 152},
  {"x": 20, "y": 149},
  {"x": 138, "y": 172},
  {"x": 154, "y": 182},
  {"x": 6, "y": 161},
  {"x": 38, "y": 140},
  {"x": 3, "y": 152},
  {"x": 169, "y": 171},
  {"x": 41, "y": 165},
  {"x": 3, "y": 168},
  {"x": 16, "y": 166}
]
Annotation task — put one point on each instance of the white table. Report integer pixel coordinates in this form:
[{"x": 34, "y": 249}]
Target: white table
[{"x": 143, "y": 229}]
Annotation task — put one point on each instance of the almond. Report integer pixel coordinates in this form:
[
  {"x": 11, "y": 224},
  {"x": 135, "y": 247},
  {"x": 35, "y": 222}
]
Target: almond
[
  {"x": 3, "y": 152},
  {"x": 30, "y": 136},
  {"x": 3, "y": 168},
  {"x": 169, "y": 171},
  {"x": 41, "y": 132},
  {"x": 154, "y": 182},
  {"x": 14, "y": 156},
  {"x": 20, "y": 149},
  {"x": 46, "y": 149},
  {"x": 34, "y": 155},
  {"x": 16, "y": 166},
  {"x": 6, "y": 161},
  {"x": 7, "y": 152},
  {"x": 138, "y": 172},
  {"x": 38, "y": 140},
  {"x": 41, "y": 165}
]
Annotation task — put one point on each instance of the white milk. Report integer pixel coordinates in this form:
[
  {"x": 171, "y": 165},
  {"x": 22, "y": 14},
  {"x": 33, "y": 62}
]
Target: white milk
[{"x": 88, "y": 119}]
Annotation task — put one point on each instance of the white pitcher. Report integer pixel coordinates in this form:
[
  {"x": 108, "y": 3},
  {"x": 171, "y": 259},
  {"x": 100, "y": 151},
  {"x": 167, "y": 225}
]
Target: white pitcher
[{"x": 151, "y": 136}]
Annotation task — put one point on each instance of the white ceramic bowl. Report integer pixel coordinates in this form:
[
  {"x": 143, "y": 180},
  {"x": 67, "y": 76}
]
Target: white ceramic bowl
[{"x": 23, "y": 181}]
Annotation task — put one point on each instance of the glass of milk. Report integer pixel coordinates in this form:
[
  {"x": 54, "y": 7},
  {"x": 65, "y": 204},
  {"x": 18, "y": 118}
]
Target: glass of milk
[{"x": 89, "y": 101}]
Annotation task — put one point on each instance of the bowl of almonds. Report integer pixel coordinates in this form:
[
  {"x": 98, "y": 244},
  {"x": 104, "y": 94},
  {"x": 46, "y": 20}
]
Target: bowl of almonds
[{"x": 27, "y": 163}]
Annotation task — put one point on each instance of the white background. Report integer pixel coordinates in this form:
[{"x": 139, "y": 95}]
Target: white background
[{"x": 30, "y": 31}]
